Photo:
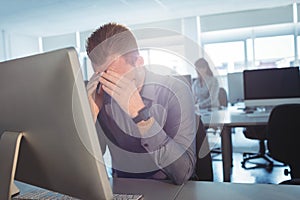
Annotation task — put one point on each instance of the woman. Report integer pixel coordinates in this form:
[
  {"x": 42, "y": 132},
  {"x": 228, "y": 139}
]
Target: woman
[{"x": 206, "y": 87}]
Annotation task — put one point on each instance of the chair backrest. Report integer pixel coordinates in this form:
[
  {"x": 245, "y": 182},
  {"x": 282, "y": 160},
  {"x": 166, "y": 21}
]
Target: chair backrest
[
  {"x": 203, "y": 169},
  {"x": 283, "y": 134},
  {"x": 223, "y": 99}
]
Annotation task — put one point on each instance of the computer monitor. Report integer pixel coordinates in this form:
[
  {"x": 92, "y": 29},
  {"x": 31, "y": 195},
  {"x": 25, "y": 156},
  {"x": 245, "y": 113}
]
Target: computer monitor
[
  {"x": 44, "y": 97},
  {"x": 270, "y": 87},
  {"x": 187, "y": 79},
  {"x": 235, "y": 87}
]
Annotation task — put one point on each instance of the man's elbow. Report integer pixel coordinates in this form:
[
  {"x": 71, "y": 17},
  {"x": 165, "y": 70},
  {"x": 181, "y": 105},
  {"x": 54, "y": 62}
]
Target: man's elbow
[
  {"x": 182, "y": 178},
  {"x": 180, "y": 181}
]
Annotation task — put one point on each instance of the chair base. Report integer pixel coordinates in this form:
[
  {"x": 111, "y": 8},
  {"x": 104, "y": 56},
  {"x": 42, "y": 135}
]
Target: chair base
[
  {"x": 295, "y": 181},
  {"x": 215, "y": 152},
  {"x": 251, "y": 156}
]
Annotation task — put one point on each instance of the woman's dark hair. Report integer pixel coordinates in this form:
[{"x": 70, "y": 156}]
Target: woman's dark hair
[{"x": 202, "y": 63}]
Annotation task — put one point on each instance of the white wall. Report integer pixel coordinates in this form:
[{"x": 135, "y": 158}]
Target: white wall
[
  {"x": 83, "y": 37},
  {"x": 2, "y": 46},
  {"x": 59, "y": 41},
  {"x": 22, "y": 45},
  {"x": 259, "y": 17},
  {"x": 15, "y": 45}
]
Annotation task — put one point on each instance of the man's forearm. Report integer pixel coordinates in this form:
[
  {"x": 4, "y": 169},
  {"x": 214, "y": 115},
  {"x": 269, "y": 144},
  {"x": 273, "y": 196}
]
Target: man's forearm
[
  {"x": 176, "y": 157},
  {"x": 182, "y": 169}
]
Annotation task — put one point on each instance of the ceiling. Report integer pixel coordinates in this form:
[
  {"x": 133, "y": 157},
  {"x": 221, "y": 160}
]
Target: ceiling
[{"x": 53, "y": 17}]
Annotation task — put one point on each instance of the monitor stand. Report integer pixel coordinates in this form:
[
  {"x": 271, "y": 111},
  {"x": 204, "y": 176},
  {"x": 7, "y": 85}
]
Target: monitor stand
[{"x": 9, "y": 151}]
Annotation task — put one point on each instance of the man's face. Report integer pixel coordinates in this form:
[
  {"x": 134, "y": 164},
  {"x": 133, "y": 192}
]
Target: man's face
[
  {"x": 120, "y": 66},
  {"x": 114, "y": 63}
]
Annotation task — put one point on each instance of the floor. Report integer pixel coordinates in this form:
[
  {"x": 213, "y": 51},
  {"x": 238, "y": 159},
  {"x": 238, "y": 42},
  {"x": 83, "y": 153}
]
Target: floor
[{"x": 239, "y": 174}]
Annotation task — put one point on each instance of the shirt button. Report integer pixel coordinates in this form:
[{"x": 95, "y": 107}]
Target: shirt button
[{"x": 146, "y": 145}]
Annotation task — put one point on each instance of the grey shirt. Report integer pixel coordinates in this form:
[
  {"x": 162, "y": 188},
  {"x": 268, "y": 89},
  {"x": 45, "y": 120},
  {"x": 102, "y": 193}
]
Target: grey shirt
[
  {"x": 206, "y": 95},
  {"x": 167, "y": 149}
]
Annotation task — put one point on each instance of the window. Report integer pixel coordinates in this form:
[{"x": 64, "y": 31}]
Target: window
[
  {"x": 227, "y": 57},
  {"x": 275, "y": 51},
  {"x": 166, "y": 62}
]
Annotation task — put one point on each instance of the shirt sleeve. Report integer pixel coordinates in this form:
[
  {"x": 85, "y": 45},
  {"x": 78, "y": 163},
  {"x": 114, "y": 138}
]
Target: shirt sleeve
[{"x": 172, "y": 144}]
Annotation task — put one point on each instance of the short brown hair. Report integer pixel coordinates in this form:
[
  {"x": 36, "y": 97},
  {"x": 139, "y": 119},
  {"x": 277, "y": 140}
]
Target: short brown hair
[{"x": 111, "y": 39}]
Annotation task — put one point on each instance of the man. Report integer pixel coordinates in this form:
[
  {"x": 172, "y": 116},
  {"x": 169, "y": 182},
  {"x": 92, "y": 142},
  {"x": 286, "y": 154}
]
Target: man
[{"x": 148, "y": 120}]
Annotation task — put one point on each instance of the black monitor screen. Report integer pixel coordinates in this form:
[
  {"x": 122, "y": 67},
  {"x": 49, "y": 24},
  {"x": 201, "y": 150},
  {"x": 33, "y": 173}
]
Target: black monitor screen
[{"x": 271, "y": 83}]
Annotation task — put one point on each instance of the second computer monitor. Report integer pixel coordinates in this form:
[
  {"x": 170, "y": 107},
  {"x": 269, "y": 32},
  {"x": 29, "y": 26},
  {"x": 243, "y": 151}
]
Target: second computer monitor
[
  {"x": 270, "y": 87},
  {"x": 235, "y": 87}
]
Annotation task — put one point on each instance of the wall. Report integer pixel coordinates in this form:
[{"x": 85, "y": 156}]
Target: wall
[
  {"x": 249, "y": 18},
  {"x": 2, "y": 46},
  {"x": 60, "y": 41},
  {"x": 15, "y": 45}
]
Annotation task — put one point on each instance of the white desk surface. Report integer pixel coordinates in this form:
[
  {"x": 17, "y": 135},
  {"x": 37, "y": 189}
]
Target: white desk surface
[
  {"x": 152, "y": 190},
  {"x": 231, "y": 116},
  {"x": 238, "y": 191}
]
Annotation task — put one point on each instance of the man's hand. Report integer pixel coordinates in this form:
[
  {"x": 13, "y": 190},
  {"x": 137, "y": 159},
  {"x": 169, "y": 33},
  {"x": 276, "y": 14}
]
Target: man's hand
[
  {"x": 95, "y": 97},
  {"x": 123, "y": 91}
]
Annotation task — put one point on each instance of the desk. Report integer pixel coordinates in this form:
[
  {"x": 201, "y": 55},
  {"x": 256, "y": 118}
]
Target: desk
[
  {"x": 152, "y": 189},
  {"x": 227, "y": 119},
  {"x": 232, "y": 191}
]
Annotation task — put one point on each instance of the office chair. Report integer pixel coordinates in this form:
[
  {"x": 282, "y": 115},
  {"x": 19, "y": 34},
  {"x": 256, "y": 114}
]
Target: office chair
[
  {"x": 283, "y": 133},
  {"x": 257, "y": 133},
  {"x": 223, "y": 99},
  {"x": 203, "y": 170}
]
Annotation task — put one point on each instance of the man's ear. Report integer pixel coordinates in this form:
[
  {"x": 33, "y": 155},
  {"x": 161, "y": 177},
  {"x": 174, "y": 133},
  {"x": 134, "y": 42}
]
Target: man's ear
[{"x": 139, "y": 61}]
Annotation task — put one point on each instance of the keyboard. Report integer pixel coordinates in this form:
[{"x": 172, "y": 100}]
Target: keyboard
[
  {"x": 127, "y": 197},
  {"x": 37, "y": 194},
  {"x": 40, "y": 194},
  {"x": 258, "y": 114}
]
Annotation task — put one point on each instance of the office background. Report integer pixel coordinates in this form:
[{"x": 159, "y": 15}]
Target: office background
[{"x": 236, "y": 35}]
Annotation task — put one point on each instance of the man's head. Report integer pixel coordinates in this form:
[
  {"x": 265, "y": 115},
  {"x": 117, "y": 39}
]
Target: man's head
[{"x": 108, "y": 43}]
